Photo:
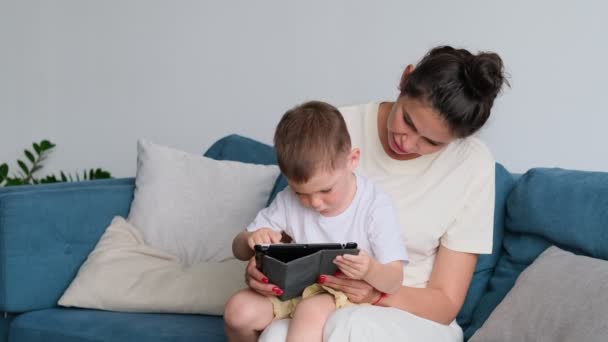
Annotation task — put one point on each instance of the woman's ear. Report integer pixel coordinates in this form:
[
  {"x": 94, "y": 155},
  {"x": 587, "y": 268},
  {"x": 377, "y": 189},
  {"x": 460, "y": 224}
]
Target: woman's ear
[
  {"x": 406, "y": 73},
  {"x": 353, "y": 159}
]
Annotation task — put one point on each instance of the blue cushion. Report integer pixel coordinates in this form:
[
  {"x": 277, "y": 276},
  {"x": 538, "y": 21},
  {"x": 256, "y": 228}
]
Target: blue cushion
[
  {"x": 238, "y": 148},
  {"x": 567, "y": 207},
  {"x": 547, "y": 207},
  {"x": 485, "y": 263},
  {"x": 75, "y": 325},
  {"x": 279, "y": 185},
  {"x": 47, "y": 231}
]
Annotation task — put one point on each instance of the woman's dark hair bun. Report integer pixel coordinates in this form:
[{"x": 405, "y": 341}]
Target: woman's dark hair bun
[
  {"x": 483, "y": 74},
  {"x": 459, "y": 85}
]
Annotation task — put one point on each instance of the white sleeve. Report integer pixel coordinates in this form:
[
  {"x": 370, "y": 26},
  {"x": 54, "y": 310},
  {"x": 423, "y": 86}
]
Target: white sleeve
[
  {"x": 274, "y": 216},
  {"x": 384, "y": 231},
  {"x": 473, "y": 228}
]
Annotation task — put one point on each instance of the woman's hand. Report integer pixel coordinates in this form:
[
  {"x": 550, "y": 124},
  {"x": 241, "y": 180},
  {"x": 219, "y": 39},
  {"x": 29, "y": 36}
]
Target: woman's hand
[
  {"x": 258, "y": 281},
  {"x": 357, "y": 291}
]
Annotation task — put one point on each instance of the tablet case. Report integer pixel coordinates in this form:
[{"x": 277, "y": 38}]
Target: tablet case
[{"x": 293, "y": 276}]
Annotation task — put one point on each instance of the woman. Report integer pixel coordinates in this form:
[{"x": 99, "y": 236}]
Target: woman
[{"x": 421, "y": 151}]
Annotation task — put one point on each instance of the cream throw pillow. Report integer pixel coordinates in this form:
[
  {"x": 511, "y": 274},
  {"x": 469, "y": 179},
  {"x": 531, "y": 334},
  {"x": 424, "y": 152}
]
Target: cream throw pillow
[
  {"x": 193, "y": 206},
  {"x": 122, "y": 273}
]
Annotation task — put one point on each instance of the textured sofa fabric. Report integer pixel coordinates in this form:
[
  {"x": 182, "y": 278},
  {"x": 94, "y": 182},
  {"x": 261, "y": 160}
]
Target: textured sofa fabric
[
  {"x": 75, "y": 325},
  {"x": 46, "y": 232},
  {"x": 4, "y": 327}
]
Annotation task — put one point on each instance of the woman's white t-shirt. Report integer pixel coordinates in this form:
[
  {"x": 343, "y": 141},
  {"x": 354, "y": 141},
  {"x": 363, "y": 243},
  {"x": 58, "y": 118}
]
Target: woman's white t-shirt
[{"x": 442, "y": 198}]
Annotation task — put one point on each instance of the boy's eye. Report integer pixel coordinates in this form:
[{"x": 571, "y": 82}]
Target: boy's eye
[{"x": 326, "y": 191}]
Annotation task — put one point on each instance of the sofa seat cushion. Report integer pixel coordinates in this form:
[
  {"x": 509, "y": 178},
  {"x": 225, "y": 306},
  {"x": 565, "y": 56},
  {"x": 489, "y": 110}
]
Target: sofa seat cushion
[{"x": 72, "y": 325}]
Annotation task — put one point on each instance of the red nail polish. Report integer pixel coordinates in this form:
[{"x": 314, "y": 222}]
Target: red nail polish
[
  {"x": 338, "y": 272},
  {"x": 265, "y": 280},
  {"x": 321, "y": 279},
  {"x": 277, "y": 291}
]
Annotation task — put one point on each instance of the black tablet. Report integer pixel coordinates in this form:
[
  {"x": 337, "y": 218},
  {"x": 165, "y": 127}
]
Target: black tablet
[{"x": 287, "y": 252}]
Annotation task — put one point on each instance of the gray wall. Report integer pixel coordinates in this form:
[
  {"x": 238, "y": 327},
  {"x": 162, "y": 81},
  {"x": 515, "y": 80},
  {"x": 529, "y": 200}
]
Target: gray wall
[{"x": 93, "y": 76}]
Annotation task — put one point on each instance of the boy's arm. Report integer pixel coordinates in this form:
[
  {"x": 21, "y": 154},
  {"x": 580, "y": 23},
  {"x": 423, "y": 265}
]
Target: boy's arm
[
  {"x": 240, "y": 246},
  {"x": 258, "y": 232},
  {"x": 386, "y": 278}
]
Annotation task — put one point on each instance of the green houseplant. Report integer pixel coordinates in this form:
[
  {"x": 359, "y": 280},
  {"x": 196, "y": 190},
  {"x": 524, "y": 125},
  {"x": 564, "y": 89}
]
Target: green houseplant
[{"x": 27, "y": 173}]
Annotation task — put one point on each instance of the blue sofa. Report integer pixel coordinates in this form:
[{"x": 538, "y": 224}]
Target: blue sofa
[{"x": 47, "y": 231}]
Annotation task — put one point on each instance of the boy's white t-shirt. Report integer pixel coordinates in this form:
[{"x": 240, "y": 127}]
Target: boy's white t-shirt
[
  {"x": 443, "y": 198},
  {"x": 370, "y": 220}
]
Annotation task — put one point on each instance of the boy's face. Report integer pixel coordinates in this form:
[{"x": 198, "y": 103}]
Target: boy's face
[{"x": 329, "y": 192}]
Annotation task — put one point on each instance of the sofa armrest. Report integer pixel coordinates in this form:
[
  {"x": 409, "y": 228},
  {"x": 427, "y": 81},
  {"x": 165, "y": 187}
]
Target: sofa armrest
[{"x": 46, "y": 233}]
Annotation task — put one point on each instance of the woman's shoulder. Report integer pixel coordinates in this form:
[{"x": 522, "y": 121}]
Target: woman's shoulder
[
  {"x": 470, "y": 149},
  {"x": 469, "y": 155},
  {"x": 358, "y": 110}
]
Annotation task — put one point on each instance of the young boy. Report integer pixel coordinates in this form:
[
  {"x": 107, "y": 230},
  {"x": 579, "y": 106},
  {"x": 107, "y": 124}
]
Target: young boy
[{"x": 324, "y": 202}]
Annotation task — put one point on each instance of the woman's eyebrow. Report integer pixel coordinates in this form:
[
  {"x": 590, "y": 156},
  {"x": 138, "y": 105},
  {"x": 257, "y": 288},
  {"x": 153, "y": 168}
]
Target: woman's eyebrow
[{"x": 409, "y": 122}]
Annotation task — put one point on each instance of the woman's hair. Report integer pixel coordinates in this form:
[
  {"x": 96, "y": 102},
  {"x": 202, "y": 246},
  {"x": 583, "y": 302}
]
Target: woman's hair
[
  {"x": 311, "y": 137},
  {"x": 459, "y": 85}
]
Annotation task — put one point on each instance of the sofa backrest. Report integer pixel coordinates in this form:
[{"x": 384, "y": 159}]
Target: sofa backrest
[
  {"x": 47, "y": 231},
  {"x": 504, "y": 182}
]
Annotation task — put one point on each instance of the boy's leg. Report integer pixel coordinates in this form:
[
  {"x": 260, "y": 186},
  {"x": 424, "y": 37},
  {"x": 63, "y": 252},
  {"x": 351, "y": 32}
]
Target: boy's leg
[
  {"x": 246, "y": 314},
  {"x": 309, "y": 318}
]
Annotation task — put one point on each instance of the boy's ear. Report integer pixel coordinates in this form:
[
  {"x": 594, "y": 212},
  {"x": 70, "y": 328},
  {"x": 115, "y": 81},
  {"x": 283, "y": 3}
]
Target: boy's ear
[{"x": 353, "y": 158}]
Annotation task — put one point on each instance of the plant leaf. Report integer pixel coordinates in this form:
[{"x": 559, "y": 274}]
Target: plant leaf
[
  {"x": 23, "y": 167},
  {"x": 14, "y": 181},
  {"x": 3, "y": 171},
  {"x": 30, "y": 156},
  {"x": 49, "y": 179},
  {"x": 101, "y": 174},
  {"x": 37, "y": 148},
  {"x": 46, "y": 145}
]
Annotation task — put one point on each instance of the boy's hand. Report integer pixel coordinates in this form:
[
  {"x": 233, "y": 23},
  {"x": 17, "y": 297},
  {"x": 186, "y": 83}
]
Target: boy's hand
[
  {"x": 263, "y": 236},
  {"x": 355, "y": 266}
]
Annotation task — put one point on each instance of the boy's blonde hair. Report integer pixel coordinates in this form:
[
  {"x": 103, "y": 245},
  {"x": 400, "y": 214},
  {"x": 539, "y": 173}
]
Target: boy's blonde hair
[{"x": 311, "y": 137}]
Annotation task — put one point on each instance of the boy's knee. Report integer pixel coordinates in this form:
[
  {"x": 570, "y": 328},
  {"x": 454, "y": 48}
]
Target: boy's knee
[
  {"x": 238, "y": 311},
  {"x": 317, "y": 306}
]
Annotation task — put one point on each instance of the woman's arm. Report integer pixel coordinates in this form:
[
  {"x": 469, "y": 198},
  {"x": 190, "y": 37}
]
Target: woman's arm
[
  {"x": 440, "y": 301},
  {"x": 444, "y": 295}
]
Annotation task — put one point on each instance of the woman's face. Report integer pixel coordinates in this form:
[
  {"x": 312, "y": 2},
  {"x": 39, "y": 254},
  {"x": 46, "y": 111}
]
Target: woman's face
[{"x": 415, "y": 129}]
